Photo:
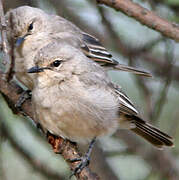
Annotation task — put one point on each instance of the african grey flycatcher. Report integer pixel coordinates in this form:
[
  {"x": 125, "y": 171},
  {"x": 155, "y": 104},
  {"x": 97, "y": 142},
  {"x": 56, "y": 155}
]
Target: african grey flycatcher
[{"x": 74, "y": 98}]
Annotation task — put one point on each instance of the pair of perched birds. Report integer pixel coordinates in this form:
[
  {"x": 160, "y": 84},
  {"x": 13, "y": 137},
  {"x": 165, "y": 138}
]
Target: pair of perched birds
[{"x": 66, "y": 69}]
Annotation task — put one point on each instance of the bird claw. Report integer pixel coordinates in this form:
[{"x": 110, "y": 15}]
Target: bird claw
[
  {"x": 84, "y": 163},
  {"x": 84, "y": 159},
  {"x": 23, "y": 97}
]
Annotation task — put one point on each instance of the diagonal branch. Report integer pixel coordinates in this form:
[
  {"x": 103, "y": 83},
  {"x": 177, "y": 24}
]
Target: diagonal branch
[{"x": 144, "y": 16}]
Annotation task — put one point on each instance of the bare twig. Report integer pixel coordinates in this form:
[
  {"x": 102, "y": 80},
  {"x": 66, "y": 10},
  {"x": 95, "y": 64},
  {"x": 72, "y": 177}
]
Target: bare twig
[
  {"x": 144, "y": 16},
  {"x": 66, "y": 148}
]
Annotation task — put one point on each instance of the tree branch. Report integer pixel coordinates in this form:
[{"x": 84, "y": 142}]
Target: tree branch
[{"x": 144, "y": 16}]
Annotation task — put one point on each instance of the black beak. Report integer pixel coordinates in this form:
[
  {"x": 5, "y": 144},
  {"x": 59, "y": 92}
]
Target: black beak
[
  {"x": 20, "y": 40},
  {"x": 35, "y": 69}
]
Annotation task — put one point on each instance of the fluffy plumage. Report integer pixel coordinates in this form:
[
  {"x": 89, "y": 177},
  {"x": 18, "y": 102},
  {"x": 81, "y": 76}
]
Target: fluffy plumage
[{"x": 74, "y": 98}]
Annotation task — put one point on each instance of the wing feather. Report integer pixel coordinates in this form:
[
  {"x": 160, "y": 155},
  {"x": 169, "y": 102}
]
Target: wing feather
[{"x": 96, "y": 51}]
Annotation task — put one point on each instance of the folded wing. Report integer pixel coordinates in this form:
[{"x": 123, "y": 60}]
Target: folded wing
[{"x": 94, "y": 50}]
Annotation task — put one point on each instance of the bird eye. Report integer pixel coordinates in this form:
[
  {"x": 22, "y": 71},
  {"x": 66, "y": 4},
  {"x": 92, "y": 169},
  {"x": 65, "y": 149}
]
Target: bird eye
[
  {"x": 30, "y": 27},
  {"x": 56, "y": 63}
]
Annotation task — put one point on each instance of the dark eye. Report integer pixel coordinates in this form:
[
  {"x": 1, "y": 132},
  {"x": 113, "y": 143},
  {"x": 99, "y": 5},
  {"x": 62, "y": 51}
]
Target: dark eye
[
  {"x": 30, "y": 27},
  {"x": 56, "y": 63}
]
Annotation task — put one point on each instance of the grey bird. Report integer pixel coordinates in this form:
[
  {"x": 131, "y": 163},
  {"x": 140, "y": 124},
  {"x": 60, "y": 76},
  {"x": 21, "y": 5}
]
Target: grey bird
[
  {"x": 31, "y": 29},
  {"x": 74, "y": 98}
]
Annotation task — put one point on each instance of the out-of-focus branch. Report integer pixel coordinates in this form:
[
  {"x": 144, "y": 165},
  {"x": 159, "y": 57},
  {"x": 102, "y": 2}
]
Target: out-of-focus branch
[
  {"x": 62, "y": 8},
  {"x": 163, "y": 95},
  {"x": 173, "y": 6},
  {"x": 7, "y": 60},
  {"x": 147, "y": 93},
  {"x": 9, "y": 4},
  {"x": 162, "y": 161},
  {"x": 145, "y": 17},
  {"x": 43, "y": 169},
  {"x": 66, "y": 148},
  {"x": 100, "y": 164}
]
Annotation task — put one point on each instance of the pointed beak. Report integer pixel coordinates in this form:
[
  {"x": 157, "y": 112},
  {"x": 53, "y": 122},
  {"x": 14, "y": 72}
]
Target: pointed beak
[
  {"x": 35, "y": 69},
  {"x": 20, "y": 40}
]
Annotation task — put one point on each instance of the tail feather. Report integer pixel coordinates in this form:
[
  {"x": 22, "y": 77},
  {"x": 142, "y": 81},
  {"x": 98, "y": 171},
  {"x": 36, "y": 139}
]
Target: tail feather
[
  {"x": 122, "y": 67},
  {"x": 152, "y": 134}
]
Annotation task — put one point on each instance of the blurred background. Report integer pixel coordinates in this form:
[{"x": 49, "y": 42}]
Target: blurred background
[{"x": 25, "y": 153}]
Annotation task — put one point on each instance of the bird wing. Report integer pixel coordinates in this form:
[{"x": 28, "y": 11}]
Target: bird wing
[
  {"x": 126, "y": 106},
  {"x": 93, "y": 49},
  {"x": 96, "y": 51}
]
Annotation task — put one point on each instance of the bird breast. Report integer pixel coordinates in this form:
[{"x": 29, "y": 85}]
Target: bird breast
[{"x": 76, "y": 113}]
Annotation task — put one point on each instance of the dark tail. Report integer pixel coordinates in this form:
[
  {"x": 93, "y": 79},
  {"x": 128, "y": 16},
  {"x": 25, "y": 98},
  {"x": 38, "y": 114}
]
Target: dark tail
[
  {"x": 130, "y": 69},
  {"x": 151, "y": 133}
]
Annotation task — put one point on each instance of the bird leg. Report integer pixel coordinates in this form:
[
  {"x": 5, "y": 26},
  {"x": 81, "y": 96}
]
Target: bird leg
[
  {"x": 23, "y": 97},
  {"x": 84, "y": 159}
]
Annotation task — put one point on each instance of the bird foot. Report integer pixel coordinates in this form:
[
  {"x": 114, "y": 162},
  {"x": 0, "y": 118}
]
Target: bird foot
[
  {"x": 23, "y": 97},
  {"x": 85, "y": 160},
  {"x": 84, "y": 163}
]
